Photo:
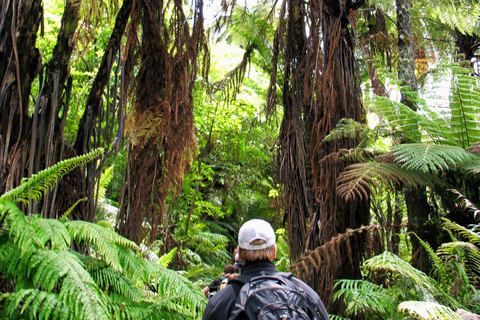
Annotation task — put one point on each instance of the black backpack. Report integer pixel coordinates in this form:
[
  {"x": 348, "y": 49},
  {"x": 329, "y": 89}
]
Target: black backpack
[{"x": 277, "y": 296}]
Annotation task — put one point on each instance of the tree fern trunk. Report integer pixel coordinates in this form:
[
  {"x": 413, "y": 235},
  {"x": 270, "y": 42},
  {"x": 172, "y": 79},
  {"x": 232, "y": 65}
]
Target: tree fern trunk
[{"x": 418, "y": 209}]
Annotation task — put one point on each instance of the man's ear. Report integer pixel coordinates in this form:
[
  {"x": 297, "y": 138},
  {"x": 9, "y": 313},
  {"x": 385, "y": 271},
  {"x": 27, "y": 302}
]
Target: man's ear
[
  {"x": 238, "y": 251},
  {"x": 275, "y": 252}
]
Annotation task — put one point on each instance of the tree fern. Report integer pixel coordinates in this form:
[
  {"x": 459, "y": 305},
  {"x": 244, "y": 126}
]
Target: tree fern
[
  {"x": 176, "y": 291},
  {"x": 414, "y": 164},
  {"x": 462, "y": 231},
  {"x": 51, "y": 233},
  {"x": 34, "y": 302},
  {"x": 113, "y": 280}
]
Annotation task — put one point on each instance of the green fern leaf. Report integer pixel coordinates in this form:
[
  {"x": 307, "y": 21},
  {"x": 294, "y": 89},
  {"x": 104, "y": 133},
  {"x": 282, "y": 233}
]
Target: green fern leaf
[
  {"x": 168, "y": 257},
  {"x": 34, "y": 187},
  {"x": 387, "y": 261},
  {"x": 53, "y": 232},
  {"x": 428, "y": 158},
  {"x": 113, "y": 280},
  {"x": 34, "y": 303},
  {"x": 61, "y": 270},
  {"x": 103, "y": 240},
  {"x": 465, "y": 233},
  {"x": 362, "y": 297}
]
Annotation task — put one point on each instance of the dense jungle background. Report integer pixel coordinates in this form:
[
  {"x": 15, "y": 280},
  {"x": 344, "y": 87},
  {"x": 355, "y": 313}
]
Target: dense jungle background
[{"x": 137, "y": 136}]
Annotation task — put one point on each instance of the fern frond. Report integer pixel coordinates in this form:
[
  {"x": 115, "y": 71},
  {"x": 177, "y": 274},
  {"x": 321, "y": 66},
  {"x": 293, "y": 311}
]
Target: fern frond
[
  {"x": 387, "y": 261},
  {"x": 102, "y": 239},
  {"x": 466, "y": 254},
  {"x": 168, "y": 257},
  {"x": 149, "y": 125},
  {"x": 67, "y": 213},
  {"x": 20, "y": 227},
  {"x": 78, "y": 291},
  {"x": 35, "y": 304},
  {"x": 430, "y": 158},
  {"x": 408, "y": 123},
  {"x": 360, "y": 179},
  {"x": 113, "y": 280},
  {"x": 437, "y": 265},
  {"x": 362, "y": 297},
  {"x": 176, "y": 291},
  {"x": 131, "y": 264},
  {"x": 105, "y": 178},
  {"x": 52, "y": 232},
  {"x": 428, "y": 310},
  {"x": 464, "y": 232},
  {"x": 34, "y": 187}
]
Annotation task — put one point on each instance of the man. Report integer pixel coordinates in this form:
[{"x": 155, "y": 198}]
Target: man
[
  {"x": 257, "y": 249},
  {"x": 215, "y": 284}
]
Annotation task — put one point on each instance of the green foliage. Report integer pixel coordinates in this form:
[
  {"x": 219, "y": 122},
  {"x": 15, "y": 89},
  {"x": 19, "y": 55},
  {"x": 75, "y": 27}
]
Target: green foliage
[
  {"x": 283, "y": 253},
  {"x": 363, "y": 297},
  {"x": 54, "y": 282},
  {"x": 396, "y": 287}
]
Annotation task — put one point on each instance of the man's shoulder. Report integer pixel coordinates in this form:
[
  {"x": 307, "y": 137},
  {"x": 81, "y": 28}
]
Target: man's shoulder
[{"x": 220, "y": 305}]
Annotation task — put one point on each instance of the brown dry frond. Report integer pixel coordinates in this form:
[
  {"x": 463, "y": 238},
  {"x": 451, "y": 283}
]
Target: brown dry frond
[
  {"x": 326, "y": 263},
  {"x": 475, "y": 148},
  {"x": 230, "y": 85}
]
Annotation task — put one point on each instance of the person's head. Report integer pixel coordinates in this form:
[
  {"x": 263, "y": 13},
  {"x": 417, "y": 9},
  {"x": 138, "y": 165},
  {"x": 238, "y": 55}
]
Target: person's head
[
  {"x": 256, "y": 241},
  {"x": 229, "y": 269}
]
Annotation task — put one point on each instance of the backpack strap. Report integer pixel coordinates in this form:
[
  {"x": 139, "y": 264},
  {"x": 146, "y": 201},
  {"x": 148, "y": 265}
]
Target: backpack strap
[{"x": 240, "y": 281}]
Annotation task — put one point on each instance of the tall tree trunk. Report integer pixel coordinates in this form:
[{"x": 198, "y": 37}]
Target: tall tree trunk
[
  {"x": 418, "y": 209},
  {"x": 33, "y": 143},
  {"x": 293, "y": 135},
  {"x": 320, "y": 88},
  {"x": 162, "y": 142}
]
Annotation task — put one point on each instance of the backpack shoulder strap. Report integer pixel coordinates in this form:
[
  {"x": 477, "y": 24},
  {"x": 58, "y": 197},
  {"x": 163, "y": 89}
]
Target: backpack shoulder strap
[{"x": 240, "y": 281}]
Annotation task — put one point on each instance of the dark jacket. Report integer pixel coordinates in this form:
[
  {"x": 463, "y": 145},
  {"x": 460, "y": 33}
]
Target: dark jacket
[{"x": 221, "y": 304}]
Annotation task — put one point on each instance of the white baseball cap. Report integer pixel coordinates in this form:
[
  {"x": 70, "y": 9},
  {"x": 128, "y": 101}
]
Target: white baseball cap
[{"x": 253, "y": 230}]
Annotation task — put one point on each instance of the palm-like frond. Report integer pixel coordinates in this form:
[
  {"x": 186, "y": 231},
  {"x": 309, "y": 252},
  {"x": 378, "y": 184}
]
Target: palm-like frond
[
  {"x": 428, "y": 310},
  {"x": 20, "y": 228},
  {"x": 430, "y": 157},
  {"x": 408, "y": 123},
  {"x": 168, "y": 257},
  {"x": 438, "y": 267},
  {"x": 414, "y": 164},
  {"x": 362, "y": 297},
  {"x": 78, "y": 290},
  {"x": 34, "y": 187},
  {"x": 360, "y": 179}
]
